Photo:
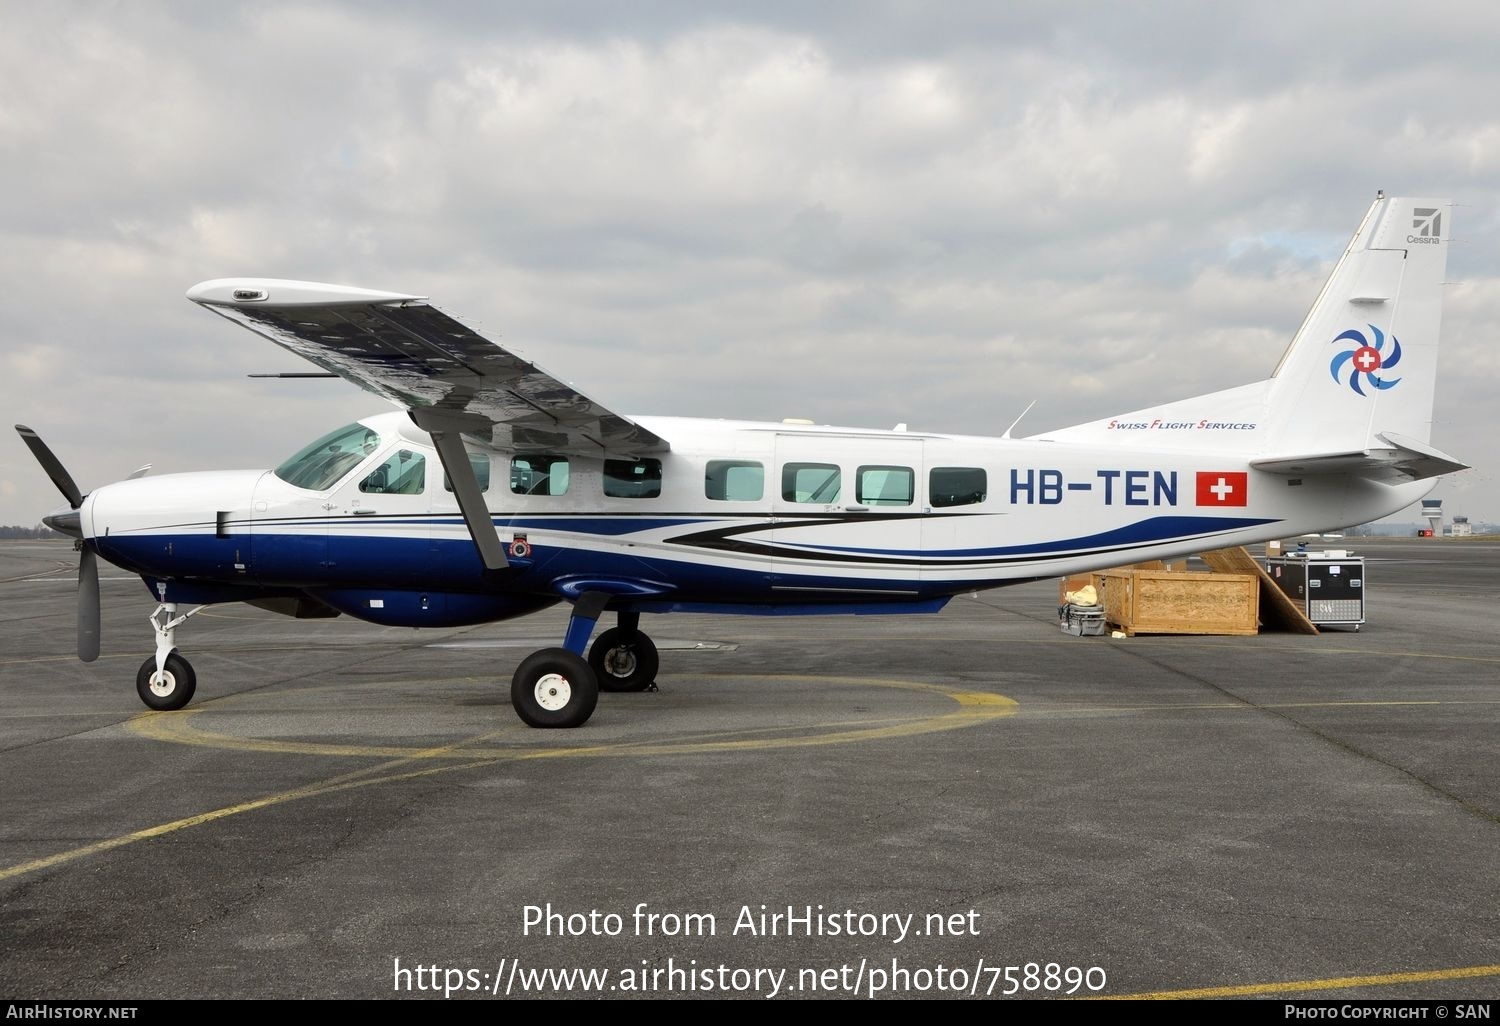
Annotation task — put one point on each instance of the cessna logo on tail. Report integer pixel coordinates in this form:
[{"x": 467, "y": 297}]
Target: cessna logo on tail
[{"x": 1427, "y": 222}]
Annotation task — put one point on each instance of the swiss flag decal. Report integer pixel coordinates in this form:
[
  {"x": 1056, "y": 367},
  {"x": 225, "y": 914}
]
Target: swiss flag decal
[{"x": 1223, "y": 488}]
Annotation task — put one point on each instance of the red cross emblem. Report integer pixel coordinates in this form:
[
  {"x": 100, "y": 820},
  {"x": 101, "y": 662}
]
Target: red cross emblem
[
  {"x": 1223, "y": 488},
  {"x": 1367, "y": 359}
]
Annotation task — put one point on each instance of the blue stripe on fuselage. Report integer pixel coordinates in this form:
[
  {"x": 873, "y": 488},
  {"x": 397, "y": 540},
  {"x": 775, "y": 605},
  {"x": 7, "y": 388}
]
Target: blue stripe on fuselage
[
  {"x": 1156, "y": 529},
  {"x": 371, "y": 559}
]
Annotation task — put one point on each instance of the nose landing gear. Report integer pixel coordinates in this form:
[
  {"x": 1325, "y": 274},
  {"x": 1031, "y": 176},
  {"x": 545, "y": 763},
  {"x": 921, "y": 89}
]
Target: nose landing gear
[{"x": 166, "y": 681}]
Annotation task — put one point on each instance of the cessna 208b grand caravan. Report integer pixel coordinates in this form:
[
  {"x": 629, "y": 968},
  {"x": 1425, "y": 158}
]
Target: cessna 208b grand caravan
[{"x": 499, "y": 490}]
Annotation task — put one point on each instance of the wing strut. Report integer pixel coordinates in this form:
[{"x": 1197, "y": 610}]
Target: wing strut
[{"x": 445, "y": 426}]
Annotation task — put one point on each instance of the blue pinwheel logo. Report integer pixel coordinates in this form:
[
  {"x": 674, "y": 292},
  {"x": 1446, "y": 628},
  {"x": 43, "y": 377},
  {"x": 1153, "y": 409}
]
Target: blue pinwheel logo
[{"x": 1365, "y": 360}]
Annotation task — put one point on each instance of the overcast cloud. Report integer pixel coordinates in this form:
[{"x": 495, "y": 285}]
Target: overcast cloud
[{"x": 862, "y": 214}]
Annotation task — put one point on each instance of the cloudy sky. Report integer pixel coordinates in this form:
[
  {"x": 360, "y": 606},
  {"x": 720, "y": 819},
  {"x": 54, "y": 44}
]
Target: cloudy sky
[{"x": 858, "y": 213}]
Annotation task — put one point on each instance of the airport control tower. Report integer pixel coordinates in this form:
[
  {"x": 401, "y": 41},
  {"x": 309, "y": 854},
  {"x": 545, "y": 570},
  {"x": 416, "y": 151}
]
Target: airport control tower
[{"x": 1432, "y": 509}]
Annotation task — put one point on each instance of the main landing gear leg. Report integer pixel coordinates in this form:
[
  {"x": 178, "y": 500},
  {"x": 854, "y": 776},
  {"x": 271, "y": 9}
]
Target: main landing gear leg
[
  {"x": 556, "y": 687},
  {"x": 623, "y": 658},
  {"x": 166, "y": 680}
]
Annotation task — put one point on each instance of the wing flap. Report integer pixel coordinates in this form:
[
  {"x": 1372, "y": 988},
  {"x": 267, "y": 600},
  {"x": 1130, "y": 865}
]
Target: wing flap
[{"x": 398, "y": 347}]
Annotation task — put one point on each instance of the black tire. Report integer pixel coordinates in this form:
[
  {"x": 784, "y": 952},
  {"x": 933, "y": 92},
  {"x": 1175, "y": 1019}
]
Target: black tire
[
  {"x": 624, "y": 660},
  {"x": 176, "y": 688},
  {"x": 554, "y": 688}
]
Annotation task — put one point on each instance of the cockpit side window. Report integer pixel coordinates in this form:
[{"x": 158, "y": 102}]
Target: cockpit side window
[
  {"x": 320, "y": 465},
  {"x": 403, "y": 473},
  {"x": 539, "y": 475},
  {"x": 632, "y": 479},
  {"x": 481, "y": 465}
]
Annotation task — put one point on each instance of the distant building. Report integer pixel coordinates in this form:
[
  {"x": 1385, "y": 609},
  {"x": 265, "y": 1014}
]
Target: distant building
[
  {"x": 1432, "y": 510},
  {"x": 1461, "y": 527}
]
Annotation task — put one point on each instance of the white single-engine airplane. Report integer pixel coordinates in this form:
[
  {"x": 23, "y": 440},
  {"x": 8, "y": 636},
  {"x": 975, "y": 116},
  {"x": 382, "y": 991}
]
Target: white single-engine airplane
[{"x": 501, "y": 490}]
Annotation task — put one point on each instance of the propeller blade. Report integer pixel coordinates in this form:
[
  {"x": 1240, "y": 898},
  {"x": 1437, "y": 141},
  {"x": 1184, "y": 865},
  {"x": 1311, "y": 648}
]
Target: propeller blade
[
  {"x": 88, "y": 605},
  {"x": 52, "y": 465}
]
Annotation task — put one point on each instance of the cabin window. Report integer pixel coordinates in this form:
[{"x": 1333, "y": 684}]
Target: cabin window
[
  {"x": 886, "y": 486},
  {"x": 632, "y": 479},
  {"x": 403, "y": 473},
  {"x": 956, "y": 486},
  {"x": 539, "y": 475},
  {"x": 810, "y": 482},
  {"x": 734, "y": 480},
  {"x": 322, "y": 463},
  {"x": 481, "y": 465}
]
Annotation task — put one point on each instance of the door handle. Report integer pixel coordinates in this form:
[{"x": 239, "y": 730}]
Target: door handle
[{"x": 365, "y": 512}]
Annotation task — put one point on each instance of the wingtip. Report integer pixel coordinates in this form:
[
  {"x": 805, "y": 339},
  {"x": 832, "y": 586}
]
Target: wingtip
[{"x": 279, "y": 292}]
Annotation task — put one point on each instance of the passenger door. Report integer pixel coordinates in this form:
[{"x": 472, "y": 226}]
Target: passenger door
[
  {"x": 847, "y": 518},
  {"x": 381, "y": 534},
  {"x": 959, "y": 519}
]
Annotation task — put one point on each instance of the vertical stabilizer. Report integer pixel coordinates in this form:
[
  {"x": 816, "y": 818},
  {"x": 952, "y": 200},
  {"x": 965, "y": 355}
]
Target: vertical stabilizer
[{"x": 1364, "y": 362}]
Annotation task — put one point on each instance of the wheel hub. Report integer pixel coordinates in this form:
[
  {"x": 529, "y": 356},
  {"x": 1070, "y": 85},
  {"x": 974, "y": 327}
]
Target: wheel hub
[
  {"x": 163, "y": 683},
  {"x": 553, "y": 691},
  {"x": 620, "y": 662}
]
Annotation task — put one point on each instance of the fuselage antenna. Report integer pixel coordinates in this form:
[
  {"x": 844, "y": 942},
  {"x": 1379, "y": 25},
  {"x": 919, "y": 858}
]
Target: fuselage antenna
[{"x": 1018, "y": 419}]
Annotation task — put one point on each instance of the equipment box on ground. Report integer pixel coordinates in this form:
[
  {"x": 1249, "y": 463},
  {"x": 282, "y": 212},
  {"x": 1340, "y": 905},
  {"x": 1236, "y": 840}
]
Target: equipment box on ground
[
  {"x": 1328, "y": 587},
  {"x": 1082, "y": 621}
]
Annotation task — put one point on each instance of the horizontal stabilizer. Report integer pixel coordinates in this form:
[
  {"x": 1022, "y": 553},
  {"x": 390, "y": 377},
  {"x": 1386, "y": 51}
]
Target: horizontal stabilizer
[{"x": 1406, "y": 459}]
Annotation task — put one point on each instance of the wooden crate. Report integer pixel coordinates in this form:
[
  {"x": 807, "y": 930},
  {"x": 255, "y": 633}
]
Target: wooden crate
[
  {"x": 1076, "y": 581},
  {"x": 1164, "y": 602}
]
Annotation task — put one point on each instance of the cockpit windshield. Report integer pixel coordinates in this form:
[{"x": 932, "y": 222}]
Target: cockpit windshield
[{"x": 321, "y": 464}]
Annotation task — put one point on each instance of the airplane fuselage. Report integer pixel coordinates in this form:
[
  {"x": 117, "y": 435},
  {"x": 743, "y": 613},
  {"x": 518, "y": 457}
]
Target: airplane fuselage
[{"x": 736, "y": 517}]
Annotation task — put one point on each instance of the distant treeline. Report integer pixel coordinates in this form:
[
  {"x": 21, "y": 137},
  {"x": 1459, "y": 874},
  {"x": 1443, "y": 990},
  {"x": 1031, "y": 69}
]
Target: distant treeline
[{"x": 39, "y": 531}]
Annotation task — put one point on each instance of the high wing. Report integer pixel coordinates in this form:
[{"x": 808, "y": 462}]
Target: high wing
[
  {"x": 452, "y": 380},
  {"x": 418, "y": 357},
  {"x": 1406, "y": 459}
]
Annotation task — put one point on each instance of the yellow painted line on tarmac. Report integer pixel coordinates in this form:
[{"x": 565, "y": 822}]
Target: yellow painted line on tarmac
[
  {"x": 1412, "y": 701},
  {"x": 1386, "y": 655},
  {"x": 178, "y": 728},
  {"x": 342, "y": 782},
  {"x": 58, "y": 659},
  {"x": 974, "y": 708},
  {"x": 977, "y": 707},
  {"x": 1032, "y": 711},
  {"x": 1303, "y": 986},
  {"x": 162, "y": 829},
  {"x": 83, "y": 713}
]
